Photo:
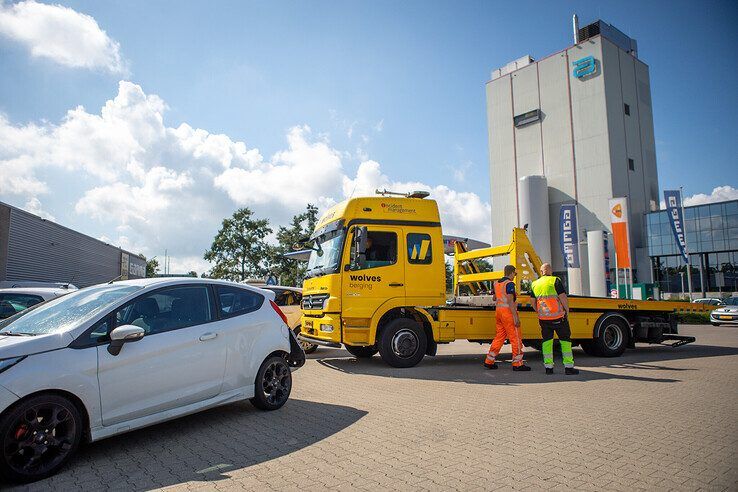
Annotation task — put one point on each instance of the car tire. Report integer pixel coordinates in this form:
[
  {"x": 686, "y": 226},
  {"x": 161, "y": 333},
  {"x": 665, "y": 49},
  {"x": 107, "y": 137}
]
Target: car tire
[
  {"x": 273, "y": 384},
  {"x": 307, "y": 347},
  {"x": 362, "y": 352},
  {"x": 56, "y": 424},
  {"x": 612, "y": 339},
  {"x": 403, "y": 343}
]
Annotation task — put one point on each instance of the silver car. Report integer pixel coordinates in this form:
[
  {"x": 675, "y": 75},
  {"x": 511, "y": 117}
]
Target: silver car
[
  {"x": 726, "y": 314},
  {"x": 115, "y": 357}
]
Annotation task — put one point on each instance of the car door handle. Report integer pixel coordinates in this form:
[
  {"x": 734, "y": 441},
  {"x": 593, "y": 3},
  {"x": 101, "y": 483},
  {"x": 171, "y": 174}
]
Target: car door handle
[
  {"x": 207, "y": 336},
  {"x": 395, "y": 284}
]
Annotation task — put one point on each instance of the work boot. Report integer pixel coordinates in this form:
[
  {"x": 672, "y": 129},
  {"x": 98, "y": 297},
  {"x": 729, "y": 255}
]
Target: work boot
[
  {"x": 521, "y": 368},
  {"x": 549, "y": 370},
  {"x": 570, "y": 371},
  {"x": 490, "y": 366}
]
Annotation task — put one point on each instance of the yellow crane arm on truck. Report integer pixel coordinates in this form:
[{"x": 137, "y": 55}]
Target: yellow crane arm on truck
[{"x": 376, "y": 283}]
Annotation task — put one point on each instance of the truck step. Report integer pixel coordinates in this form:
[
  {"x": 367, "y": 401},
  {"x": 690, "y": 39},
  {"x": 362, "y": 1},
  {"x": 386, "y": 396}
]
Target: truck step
[{"x": 672, "y": 340}]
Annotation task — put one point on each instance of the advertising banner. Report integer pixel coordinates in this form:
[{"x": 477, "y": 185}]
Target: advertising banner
[
  {"x": 569, "y": 235},
  {"x": 620, "y": 233},
  {"x": 673, "y": 199}
]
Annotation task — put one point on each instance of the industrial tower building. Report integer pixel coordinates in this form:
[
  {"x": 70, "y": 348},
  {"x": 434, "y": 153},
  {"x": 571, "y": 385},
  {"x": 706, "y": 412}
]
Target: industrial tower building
[{"x": 582, "y": 118}]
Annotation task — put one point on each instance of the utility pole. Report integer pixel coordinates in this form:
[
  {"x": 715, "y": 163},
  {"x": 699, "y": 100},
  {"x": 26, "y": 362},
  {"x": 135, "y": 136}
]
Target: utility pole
[{"x": 686, "y": 246}]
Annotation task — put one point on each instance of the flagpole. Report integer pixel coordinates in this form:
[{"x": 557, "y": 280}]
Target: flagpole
[{"x": 686, "y": 246}]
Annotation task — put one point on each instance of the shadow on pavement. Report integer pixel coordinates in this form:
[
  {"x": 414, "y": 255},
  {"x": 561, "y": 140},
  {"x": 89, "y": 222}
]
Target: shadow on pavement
[
  {"x": 468, "y": 368},
  {"x": 203, "y": 447}
]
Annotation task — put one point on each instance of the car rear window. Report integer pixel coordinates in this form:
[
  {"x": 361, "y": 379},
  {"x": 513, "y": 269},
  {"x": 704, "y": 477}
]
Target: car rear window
[{"x": 233, "y": 301}]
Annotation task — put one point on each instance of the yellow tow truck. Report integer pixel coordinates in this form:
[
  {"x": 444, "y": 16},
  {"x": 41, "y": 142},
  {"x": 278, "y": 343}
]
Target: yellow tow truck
[{"x": 376, "y": 282}]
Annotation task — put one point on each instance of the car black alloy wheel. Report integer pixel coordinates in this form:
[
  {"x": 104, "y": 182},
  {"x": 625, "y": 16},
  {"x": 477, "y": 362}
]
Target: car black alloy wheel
[
  {"x": 39, "y": 437},
  {"x": 276, "y": 382}
]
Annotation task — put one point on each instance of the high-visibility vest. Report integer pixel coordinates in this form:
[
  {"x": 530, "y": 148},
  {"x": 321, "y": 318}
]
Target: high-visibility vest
[
  {"x": 502, "y": 304},
  {"x": 548, "y": 304}
]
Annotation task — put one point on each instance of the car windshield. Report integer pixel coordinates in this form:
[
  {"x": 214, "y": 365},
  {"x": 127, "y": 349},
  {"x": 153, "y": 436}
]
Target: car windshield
[
  {"x": 65, "y": 312},
  {"x": 731, "y": 301},
  {"x": 328, "y": 256}
]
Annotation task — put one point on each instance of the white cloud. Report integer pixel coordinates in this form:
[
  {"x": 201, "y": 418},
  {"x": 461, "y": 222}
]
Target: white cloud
[
  {"x": 60, "y": 34},
  {"x": 33, "y": 205},
  {"x": 152, "y": 187},
  {"x": 719, "y": 194}
]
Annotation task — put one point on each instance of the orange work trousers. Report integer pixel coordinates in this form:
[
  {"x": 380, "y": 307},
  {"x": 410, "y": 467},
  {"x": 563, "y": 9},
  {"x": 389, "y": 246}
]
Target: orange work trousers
[{"x": 506, "y": 329}]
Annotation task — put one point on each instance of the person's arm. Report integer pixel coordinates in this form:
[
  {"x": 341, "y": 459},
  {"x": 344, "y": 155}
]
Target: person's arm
[
  {"x": 562, "y": 295},
  {"x": 510, "y": 292}
]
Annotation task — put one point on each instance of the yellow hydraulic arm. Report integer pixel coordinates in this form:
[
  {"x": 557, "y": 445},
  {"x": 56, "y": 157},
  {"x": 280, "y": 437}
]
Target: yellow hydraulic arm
[{"x": 521, "y": 255}]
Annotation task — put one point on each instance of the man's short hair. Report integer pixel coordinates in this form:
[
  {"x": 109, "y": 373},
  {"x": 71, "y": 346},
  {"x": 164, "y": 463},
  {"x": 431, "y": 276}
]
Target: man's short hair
[{"x": 509, "y": 269}]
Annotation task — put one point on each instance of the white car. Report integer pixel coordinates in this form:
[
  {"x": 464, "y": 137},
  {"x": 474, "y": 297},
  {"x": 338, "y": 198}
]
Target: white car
[
  {"x": 725, "y": 314},
  {"x": 115, "y": 357},
  {"x": 17, "y": 299}
]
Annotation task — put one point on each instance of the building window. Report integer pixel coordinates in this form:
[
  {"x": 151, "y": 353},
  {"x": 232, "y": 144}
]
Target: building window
[
  {"x": 631, "y": 165},
  {"x": 627, "y": 109}
]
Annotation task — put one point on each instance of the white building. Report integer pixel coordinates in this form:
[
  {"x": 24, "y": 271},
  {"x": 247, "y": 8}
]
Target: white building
[{"x": 582, "y": 118}]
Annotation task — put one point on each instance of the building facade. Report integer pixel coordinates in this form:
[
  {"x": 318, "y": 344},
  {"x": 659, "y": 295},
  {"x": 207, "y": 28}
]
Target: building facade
[
  {"x": 36, "y": 249},
  {"x": 712, "y": 239},
  {"x": 582, "y": 118}
]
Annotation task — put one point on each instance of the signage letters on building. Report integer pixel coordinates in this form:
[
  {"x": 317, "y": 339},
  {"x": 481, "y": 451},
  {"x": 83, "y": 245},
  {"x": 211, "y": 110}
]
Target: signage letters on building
[
  {"x": 583, "y": 67},
  {"x": 673, "y": 199},
  {"x": 569, "y": 235}
]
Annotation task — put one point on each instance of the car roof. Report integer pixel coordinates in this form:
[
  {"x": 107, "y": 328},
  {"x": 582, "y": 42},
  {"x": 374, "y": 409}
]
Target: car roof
[
  {"x": 282, "y": 287},
  {"x": 37, "y": 290},
  {"x": 155, "y": 282}
]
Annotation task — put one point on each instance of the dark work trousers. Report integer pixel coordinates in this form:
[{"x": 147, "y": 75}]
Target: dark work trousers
[{"x": 563, "y": 331}]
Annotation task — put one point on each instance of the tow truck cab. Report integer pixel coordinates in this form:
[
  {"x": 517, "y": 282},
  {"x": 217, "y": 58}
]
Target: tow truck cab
[{"x": 373, "y": 259}]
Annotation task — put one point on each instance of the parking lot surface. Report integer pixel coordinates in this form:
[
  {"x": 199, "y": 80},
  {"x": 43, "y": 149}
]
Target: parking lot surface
[{"x": 657, "y": 418}]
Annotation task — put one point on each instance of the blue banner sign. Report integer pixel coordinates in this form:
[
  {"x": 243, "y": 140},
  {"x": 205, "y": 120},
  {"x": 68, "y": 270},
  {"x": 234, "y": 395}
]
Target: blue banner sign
[
  {"x": 583, "y": 67},
  {"x": 569, "y": 235},
  {"x": 673, "y": 199}
]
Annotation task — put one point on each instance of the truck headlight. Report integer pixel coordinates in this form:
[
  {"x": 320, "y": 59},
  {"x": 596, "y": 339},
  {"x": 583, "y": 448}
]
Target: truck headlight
[
  {"x": 326, "y": 328},
  {"x": 6, "y": 364}
]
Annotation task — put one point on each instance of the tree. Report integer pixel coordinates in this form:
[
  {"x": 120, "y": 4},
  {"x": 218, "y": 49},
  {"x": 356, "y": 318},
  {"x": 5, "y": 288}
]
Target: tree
[
  {"x": 289, "y": 271},
  {"x": 239, "y": 250},
  {"x": 152, "y": 267}
]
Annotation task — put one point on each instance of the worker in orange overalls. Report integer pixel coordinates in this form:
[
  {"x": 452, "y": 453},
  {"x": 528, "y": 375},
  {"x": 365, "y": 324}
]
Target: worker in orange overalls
[{"x": 507, "y": 322}]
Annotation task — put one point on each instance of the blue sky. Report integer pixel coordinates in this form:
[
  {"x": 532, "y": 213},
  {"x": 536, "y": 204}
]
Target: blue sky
[{"x": 399, "y": 83}]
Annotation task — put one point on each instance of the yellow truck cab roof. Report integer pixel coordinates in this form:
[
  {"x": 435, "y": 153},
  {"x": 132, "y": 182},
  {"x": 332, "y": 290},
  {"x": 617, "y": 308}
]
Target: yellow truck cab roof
[{"x": 382, "y": 209}]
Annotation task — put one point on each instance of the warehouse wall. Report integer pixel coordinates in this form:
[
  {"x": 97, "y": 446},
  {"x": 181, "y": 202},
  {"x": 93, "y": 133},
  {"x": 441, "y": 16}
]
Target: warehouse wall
[{"x": 41, "y": 250}]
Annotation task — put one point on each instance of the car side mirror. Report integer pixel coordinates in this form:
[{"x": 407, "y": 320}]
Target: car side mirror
[{"x": 122, "y": 335}]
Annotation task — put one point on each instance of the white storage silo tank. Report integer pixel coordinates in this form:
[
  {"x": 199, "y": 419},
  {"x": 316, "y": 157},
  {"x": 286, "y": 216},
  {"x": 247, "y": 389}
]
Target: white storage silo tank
[
  {"x": 596, "y": 259},
  {"x": 533, "y": 204}
]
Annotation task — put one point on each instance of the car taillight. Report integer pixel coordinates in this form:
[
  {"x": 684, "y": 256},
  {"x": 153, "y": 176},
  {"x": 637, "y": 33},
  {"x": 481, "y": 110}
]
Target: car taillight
[{"x": 279, "y": 312}]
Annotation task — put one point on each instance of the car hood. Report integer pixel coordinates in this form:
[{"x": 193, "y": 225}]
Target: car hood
[
  {"x": 16, "y": 346},
  {"x": 726, "y": 310}
]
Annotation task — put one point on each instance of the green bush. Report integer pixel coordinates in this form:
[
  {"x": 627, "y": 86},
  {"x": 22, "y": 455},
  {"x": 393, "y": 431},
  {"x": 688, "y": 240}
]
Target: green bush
[{"x": 694, "y": 318}]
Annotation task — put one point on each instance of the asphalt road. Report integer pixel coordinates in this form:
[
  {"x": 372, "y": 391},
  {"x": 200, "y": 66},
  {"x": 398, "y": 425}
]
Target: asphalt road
[{"x": 657, "y": 418}]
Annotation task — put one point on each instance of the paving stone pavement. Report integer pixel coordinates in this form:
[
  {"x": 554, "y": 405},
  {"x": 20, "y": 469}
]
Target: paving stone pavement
[{"x": 657, "y": 418}]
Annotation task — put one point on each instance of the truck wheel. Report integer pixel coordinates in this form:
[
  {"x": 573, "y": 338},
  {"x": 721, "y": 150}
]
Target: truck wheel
[
  {"x": 403, "y": 343},
  {"x": 613, "y": 338},
  {"x": 362, "y": 352},
  {"x": 307, "y": 347}
]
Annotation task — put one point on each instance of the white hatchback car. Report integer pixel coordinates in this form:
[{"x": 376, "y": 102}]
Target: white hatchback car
[
  {"x": 17, "y": 299},
  {"x": 115, "y": 357}
]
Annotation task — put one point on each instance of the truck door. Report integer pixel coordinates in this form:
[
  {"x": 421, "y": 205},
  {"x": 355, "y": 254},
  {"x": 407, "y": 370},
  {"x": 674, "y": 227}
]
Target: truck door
[
  {"x": 425, "y": 282},
  {"x": 375, "y": 276}
]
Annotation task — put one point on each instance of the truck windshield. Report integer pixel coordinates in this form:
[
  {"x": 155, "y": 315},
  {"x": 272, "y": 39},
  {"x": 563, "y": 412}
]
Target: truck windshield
[{"x": 328, "y": 257}]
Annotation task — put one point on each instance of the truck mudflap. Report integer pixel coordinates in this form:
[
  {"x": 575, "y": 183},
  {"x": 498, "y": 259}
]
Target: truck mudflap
[{"x": 297, "y": 355}]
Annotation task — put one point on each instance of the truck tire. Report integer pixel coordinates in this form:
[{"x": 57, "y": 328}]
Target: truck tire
[
  {"x": 403, "y": 343},
  {"x": 612, "y": 338},
  {"x": 362, "y": 352}
]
